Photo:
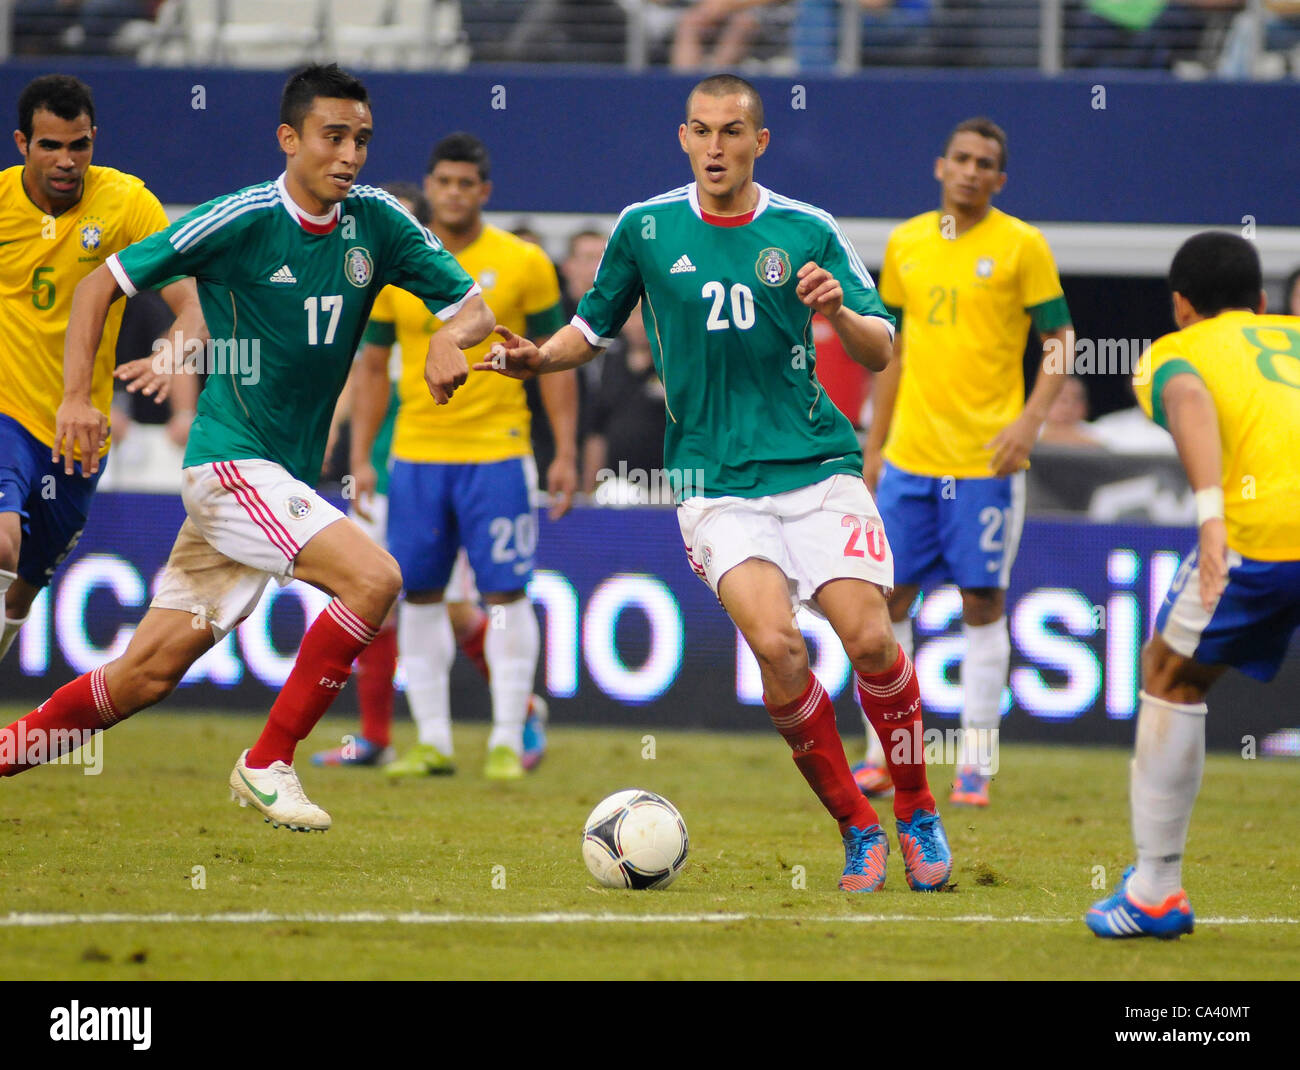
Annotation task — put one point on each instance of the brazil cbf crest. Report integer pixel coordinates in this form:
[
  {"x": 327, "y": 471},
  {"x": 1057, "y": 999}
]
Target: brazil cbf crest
[
  {"x": 773, "y": 267},
  {"x": 92, "y": 233},
  {"x": 984, "y": 267},
  {"x": 358, "y": 266}
]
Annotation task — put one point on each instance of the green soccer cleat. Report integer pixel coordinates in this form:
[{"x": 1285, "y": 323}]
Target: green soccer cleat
[
  {"x": 424, "y": 759},
  {"x": 503, "y": 764}
]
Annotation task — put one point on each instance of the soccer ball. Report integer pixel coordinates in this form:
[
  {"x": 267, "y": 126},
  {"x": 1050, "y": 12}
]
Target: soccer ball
[{"x": 635, "y": 839}]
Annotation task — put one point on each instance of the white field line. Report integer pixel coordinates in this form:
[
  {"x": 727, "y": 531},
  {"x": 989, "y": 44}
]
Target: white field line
[{"x": 15, "y": 920}]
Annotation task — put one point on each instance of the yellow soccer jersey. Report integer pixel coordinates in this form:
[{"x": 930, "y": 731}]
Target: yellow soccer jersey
[
  {"x": 1251, "y": 366},
  {"x": 43, "y": 259},
  {"x": 966, "y": 305},
  {"x": 487, "y": 418}
]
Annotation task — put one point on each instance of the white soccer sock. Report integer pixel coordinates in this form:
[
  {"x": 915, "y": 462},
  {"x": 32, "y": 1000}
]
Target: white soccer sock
[
  {"x": 428, "y": 648},
  {"x": 903, "y": 636},
  {"x": 983, "y": 676},
  {"x": 511, "y": 646},
  {"x": 1166, "y": 775},
  {"x": 10, "y": 626}
]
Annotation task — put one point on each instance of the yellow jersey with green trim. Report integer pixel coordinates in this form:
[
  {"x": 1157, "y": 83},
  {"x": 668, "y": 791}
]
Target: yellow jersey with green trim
[
  {"x": 43, "y": 259},
  {"x": 1251, "y": 366},
  {"x": 966, "y": 304},
  {"x": 487, "y": 419}
]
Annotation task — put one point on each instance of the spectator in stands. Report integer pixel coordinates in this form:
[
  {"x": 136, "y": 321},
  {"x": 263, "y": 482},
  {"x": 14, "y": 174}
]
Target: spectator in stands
[
  {"x": 43, "y": 27},
  {"x": 557, "y": 31},
  {"x": 1139, "y": 33},
  {"x": 1291, "y": 294},
  {"x": 715, "y": 34},
  {"x": 893, "y": 32},
  {"x": 627, "y": 420},
  {"x": 1067, "y": 419}
]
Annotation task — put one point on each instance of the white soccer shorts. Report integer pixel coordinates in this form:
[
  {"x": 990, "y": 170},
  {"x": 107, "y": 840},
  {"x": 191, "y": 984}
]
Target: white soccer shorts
[
  {"x": 377, "y": 526},
  {"x": 830, "y": 530},
  {"x": 247, "y": 521}
]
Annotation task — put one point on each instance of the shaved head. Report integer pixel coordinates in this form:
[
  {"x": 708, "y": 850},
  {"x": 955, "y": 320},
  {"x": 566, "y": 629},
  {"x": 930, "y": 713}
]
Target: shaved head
[{"x": 725, "y": 85}]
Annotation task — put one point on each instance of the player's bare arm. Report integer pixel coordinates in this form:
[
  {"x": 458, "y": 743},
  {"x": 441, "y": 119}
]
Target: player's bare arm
[
  {"x": 866, "y": 339},
  {"x": 78, "y": 425},
  {"x": 368, "y": 384},
  {"x": 884, "y": 393},
  {"x": 519, "y": 358},
  {"x": 559, "y": 395},
  {"x": 1013, "y": 444},
  {"x": 158, "y": 378},
  {"x": 445, "y": 368},
  {"x": 1194, "y": 423}
]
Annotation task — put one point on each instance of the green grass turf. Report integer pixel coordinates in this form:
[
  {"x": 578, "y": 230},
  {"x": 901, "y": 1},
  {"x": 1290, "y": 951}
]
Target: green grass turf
[{"x": 127, "y": 841}]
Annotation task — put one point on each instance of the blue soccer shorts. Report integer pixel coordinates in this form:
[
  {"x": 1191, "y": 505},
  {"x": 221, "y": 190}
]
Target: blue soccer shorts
[
  {"x": 948, "y": 530},
  {"x": 489, "y": 509},
  {"x": 53, "y": 506},
  {"x": 1251, "y": 625}
]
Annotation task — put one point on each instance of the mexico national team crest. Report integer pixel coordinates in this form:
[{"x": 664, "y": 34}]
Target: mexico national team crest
[
  {"x": 92, "y": 233},
  {"x": 298, "y": 507},
  {"x": 358, "y": 267},
  {"x": 773, "y": 267},
  {"x": 984, "y": 267}
]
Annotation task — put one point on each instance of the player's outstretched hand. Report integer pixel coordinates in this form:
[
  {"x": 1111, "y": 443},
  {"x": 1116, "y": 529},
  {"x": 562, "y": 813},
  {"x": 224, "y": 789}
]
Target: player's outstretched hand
[
  {"x": 1212, "y": 561},
  {"x": 143, "y": 377},
  {"x": 561, "y": 485},
  {"x": 79, "y": 427},
  {"x": 445, "y": 369},
  {"x": 1012, "y": 446},
  {"x": 819, "y": 289},
  {"x": 515, "y": 356}
]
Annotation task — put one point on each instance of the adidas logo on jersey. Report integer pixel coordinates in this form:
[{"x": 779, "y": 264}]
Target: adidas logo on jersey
[
  {"x": 683, "y": 264},
  {"x": 283, "y": 275}
]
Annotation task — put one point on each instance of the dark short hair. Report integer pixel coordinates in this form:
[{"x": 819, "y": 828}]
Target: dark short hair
[
  {"x": 462, "y": 148},
  {"x": 317, "y": 80},
  {"x": 409, "y": 191},
  {"x": 723, "y": 85},
  {"x": 1215, "y": 270},
  {"x": 985, "y": 128},
  {"x": 60, "y": 94}
]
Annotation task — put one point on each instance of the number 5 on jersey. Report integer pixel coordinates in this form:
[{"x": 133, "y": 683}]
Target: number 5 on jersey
[{"x": 333, "y": 304}]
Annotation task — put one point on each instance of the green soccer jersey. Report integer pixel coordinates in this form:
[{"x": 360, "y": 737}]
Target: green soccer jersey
[
  {"x": 732, "y": 342},
  {"x": 286, "y": 297}
]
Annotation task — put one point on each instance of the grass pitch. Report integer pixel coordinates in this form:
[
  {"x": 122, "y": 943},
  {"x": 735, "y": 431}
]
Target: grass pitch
[{"x": 459, "y": 878}]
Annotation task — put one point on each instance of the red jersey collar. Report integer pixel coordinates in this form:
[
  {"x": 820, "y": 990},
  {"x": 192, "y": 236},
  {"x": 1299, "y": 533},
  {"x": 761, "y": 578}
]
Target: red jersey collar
[{"x": 727, "y": 220}]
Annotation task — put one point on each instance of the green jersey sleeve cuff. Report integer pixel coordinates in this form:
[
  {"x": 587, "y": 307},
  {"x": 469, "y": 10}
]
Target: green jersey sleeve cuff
[
  {"x": 897, "y": 313},
  {"x": 1163, "y": 374},
  {"x": 1050, "y": 315},
  {"x": 380, "y": 333},
  {"x": 547, "y": 321}
]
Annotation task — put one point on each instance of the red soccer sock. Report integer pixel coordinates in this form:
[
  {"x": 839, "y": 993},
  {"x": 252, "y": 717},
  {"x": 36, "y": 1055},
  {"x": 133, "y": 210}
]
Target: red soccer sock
[
  {"x": 808, "y": 725},
  {"x": 472, "y": 647},
  {"x": 892, "y": 703},
  {"x": 375, "y": 668},
  {"x": 323, "y": 666},
  {"x": 81, "y": 706}
]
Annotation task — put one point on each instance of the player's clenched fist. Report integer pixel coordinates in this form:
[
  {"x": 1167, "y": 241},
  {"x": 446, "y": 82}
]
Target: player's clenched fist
[
  {"x": 445, "y": 368},
  {"x": 819, "y": 289},
  {"x": 515, "y": 356}
]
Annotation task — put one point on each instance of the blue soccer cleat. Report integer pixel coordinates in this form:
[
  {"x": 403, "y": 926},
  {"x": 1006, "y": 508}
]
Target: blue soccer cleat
[
  {"x": 359, "y": 752},
  {"x": 1121, "y": 917},
  {"x": 865, "y": 851},
  {"x": 926, "y": 853},
  {"x": 535, "y": 733},
  {"x": 873, "y": 781}
]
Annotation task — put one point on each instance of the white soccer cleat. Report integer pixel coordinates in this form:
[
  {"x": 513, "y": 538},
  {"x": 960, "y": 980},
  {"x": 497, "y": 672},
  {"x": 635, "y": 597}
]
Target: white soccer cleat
[{"x": 277, "y": 793}]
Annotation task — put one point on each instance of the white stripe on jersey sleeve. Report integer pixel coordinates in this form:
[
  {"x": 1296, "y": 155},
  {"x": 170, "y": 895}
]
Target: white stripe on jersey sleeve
[
  {"x": 595, "y": 340},
  {"x": 119, "y": 273},
  {"x": 218, "y": 215},
  {"x": 450, "y": 310},
  {"x": 373, "y": 193},
  {"x": 855, "y": 261}
]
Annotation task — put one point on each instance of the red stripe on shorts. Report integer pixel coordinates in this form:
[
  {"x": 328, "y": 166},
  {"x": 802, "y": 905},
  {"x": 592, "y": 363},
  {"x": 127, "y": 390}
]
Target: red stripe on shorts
[
  {"x": 267, "y": 510},
  {"x": 238, "y": 488}
]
